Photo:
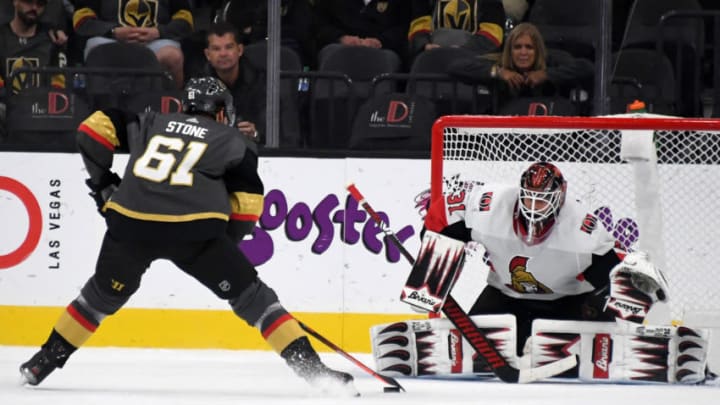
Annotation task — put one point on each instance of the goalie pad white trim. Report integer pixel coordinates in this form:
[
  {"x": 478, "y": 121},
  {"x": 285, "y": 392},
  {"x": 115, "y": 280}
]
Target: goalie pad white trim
[
  {"x": 436, "y": 347},
  {"x": 436, "y": 269},
  {"x": 612, "y": 352}
]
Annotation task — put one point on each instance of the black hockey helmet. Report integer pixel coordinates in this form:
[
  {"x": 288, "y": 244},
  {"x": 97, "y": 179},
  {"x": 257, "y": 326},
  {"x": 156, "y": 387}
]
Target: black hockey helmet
[
  {"x": 210, "y": 96},
  {"x": 542, "y": 194}
]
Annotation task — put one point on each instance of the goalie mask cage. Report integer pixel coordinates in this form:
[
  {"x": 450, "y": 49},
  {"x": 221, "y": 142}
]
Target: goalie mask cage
[{"x": 667, "y": 204}]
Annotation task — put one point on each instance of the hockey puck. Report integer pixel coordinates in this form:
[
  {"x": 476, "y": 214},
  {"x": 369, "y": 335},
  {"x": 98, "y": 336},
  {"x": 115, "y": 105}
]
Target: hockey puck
[{"x": 391, "y": 389}]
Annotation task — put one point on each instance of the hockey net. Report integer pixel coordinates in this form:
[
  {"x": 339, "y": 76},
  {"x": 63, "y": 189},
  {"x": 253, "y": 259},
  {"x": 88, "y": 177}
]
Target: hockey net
[{"x": 668, "y": 207}]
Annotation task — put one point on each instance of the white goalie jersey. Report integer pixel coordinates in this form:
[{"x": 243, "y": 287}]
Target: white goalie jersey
[{"x": 545, "y": 271}]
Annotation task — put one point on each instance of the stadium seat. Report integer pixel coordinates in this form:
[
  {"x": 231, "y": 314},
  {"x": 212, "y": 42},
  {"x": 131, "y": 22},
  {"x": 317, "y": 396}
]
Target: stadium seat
[
  {"x": 44, "y": 119},
  {"x": 541, "y": 105},
  {"x": 642, "y": 74},
  {"x": 682, "y": 39},
  {"x": 573, "y": 26},
  {"x": 117, "y": 70},
  {"x": 393, "y": 121},
  {"x": 449, "y": 95},
  {"x": 345, "y": 80}
]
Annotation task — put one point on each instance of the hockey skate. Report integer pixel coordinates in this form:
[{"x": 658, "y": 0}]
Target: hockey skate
[
  {"x": 37, "y": 368},
  {"x": 306, "y": 363},
  {"x": 52, "y": 355}
]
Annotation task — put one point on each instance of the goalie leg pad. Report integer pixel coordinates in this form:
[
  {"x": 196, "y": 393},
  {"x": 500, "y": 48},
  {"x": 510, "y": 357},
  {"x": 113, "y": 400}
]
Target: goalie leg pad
[
  {"x": 435, "y": 271},
  {"x": 612, "y": 352},
  {"x": 436, "y": 347}
]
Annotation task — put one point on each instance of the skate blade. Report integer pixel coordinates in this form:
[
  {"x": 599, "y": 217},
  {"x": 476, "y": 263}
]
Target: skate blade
[{"x": 26, "y": 378}]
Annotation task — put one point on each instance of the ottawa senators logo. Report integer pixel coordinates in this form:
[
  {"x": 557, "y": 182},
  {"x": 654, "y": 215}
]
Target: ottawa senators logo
[
  {"x": 589, "y": 223},
  {"x": 485, "y": 201},
  {"x": 522, "y": 280},
  {"x": 138, "y": 13}
]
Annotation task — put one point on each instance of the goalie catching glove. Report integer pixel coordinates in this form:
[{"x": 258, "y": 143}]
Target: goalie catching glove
[
  {"x": 104, "y": 189},
  {"x": 635, "y": 284}
]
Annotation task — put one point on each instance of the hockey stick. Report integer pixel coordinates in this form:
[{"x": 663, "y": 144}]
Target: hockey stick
[
  {"x": 387, "y": 380},
  {"x": 458, "y": 317}
]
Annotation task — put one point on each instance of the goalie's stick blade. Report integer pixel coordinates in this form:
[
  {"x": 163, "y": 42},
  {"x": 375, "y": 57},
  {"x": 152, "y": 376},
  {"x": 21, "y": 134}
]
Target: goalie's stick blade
[
  {"x": 387, "y": 380},
  {"x": 477, "y": 339},
  {"x": 547, "y": 370}
]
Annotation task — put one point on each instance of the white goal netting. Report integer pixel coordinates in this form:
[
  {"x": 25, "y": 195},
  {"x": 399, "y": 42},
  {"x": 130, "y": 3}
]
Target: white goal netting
[{"x": 670, "y": 210}]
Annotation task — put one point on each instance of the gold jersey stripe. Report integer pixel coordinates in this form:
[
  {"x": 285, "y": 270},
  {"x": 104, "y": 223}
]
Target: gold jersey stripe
[
  {"x": 72, "y": 330},
  {"x": 247, "y": 204},
  {"x": 102, "y": 126},
  {"x": 186, "y": 16},
  {"x": 284, "y": 334},
  {"x": 494, "y": 30},
  {"x": 420, "y": 24},
  {"x": 81, "y": 15},
  {"x": 111, "y": 205}
]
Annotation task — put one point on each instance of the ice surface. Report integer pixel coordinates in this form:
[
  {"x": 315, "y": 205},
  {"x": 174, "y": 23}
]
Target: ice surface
[{"x": 112, "y": 376}]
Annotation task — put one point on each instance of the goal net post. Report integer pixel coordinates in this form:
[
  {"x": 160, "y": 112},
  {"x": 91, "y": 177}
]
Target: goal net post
[{"x": 652, "y": 181}]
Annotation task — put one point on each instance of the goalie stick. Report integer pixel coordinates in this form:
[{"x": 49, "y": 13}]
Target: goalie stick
[
  {"x": 477, "y": 339},
  {"x": 387, "y": 380}
]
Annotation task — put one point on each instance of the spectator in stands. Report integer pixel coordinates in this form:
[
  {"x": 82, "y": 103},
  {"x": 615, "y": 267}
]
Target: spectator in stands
[
  {"x": 476, "y": 25},
  {"x": 224, "y": 55},
  {"x": 26, "y": 42},
  {"x": 374, "y": 23},
  {"x": 525, "y": 68},
  {"x": 250, "y": 17},
  {"x": 160, "y": 28}
]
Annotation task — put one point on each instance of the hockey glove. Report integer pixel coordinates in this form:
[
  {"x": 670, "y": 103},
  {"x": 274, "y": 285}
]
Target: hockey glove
[
  {"x": 635, "y": 285},
  {"x": 644, "y": 275},
  {"x": 102, "y": 192}
]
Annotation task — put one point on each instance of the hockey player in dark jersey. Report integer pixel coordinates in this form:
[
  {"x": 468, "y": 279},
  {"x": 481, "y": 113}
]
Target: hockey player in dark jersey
[{"x": 190, "y": 193}]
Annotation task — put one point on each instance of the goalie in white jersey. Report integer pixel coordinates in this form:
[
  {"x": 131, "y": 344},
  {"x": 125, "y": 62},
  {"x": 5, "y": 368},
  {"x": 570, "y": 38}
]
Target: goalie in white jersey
[{"x": 550, "y": 258}]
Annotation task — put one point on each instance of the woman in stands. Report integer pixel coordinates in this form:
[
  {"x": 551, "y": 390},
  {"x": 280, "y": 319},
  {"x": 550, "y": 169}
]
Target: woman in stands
[{"x": 525, "y": 69}]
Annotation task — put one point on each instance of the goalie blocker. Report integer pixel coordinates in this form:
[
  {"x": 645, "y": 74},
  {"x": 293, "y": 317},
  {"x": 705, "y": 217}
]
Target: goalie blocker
[
  {"x": 608, "y": 352},
  {"x": 435, "y": 271}
]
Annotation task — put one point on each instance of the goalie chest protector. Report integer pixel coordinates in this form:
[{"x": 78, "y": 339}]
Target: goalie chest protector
[{"x": 548, "y": 270}]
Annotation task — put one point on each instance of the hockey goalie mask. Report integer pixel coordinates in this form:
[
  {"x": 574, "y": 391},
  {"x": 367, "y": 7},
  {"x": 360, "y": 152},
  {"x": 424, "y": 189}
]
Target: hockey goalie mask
[
  {"x": 210, "y": 96},
  {"x": 542, "y": 194}
]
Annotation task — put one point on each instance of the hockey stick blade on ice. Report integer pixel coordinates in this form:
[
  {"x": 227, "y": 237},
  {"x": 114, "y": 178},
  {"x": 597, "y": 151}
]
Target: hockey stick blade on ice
[
  {"x": 461, "y": 320},
  {"x": 387, "y": 380}
]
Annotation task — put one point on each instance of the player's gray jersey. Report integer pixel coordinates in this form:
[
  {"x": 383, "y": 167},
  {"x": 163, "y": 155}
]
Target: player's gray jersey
[
  {"x": 176, "y": 167},
  {"x": 545, "y": 271}
]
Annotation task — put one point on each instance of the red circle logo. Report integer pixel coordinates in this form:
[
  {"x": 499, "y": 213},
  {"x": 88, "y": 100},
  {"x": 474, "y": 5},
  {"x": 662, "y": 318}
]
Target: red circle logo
[{"x": 34, "y": 230}]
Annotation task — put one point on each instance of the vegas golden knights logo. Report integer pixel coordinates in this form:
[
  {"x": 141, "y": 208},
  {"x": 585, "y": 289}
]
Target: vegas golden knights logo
[
  {"x": 22, "y": 80},
  {"x": 457, "y": 14},
  {"x": 138, "y": 13}
]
